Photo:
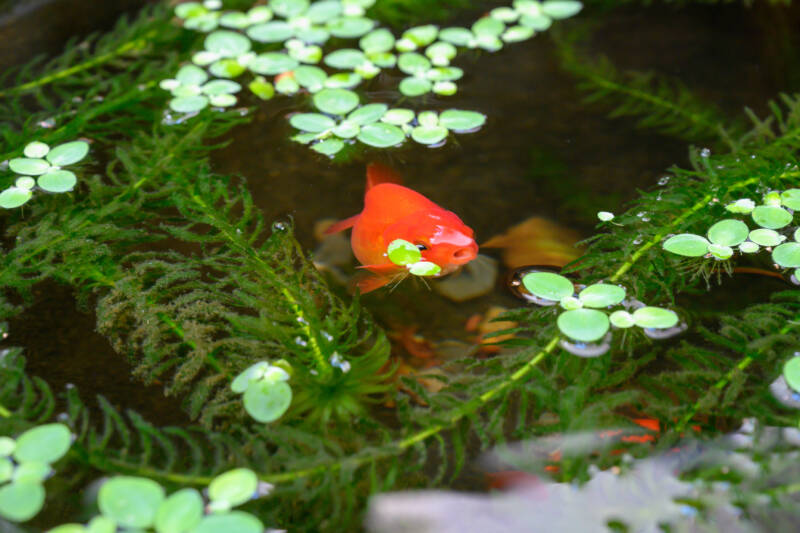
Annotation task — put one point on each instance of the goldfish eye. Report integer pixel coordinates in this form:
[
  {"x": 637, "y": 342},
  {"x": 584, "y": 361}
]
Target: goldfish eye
[{"x": 421, "y": 247}]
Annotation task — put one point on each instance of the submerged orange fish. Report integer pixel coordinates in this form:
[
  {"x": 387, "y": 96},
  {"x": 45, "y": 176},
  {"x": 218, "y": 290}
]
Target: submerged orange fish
[{"x": 392, "y": 212}]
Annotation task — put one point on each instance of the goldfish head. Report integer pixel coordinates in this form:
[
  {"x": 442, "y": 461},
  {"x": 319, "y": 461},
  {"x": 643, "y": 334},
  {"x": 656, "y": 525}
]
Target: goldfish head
[{"x": 440, "y": 236}]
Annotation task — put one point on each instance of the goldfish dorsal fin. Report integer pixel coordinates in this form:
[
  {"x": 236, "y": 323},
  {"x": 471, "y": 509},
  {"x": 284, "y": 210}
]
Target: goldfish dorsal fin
[
  {"x": 379, "y": 173},
  {"x": 342, "y": 224}
]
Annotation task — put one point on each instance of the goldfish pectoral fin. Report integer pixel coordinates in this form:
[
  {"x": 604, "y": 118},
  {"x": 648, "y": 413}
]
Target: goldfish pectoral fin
[
  {"x": 342, "y": 225},
  {"x": 378, "y": 173},
  {"x": 368, "y": 282},
  {"x": 382, "y": 269}
]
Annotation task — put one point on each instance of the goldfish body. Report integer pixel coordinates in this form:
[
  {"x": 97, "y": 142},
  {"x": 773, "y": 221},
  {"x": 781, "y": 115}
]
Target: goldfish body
[{"x": 393, "y": 212}]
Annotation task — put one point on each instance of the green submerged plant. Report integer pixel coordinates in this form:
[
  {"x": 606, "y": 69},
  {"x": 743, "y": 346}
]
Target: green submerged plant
[{"x": 282, "y": 379}]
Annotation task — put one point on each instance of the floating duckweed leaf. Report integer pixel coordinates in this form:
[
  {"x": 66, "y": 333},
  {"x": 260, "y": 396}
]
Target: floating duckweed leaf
[
  {"x": 232, "y": 522},
  {"x": 235, "y": 19},
  {"x": 489, "y": 42},
  {"x": 402, "y": 252},
  {"x": 570, "y": 302},
  {"x": 516, "y": 34},
  {"x": 536, "y": 22},
  {"x": 422, "y": 35},
  {"x": 315, "y": 35},
  {"x": 179, "y": 513},
  {"x": 25, "y": 182},
  {"x": 444, "y": 74},
  {"x": 14, "y": 197},
  {"x": 270, "y": 32},
  {"x": 621, "y": 319},
  {"x": 24, "y": 165},
  {"x": 414, "y": 86},
  {"x": 321, "y": 12},
  {"x": 424, "y": 268},
  {"x": 687, "y": 244},
  {"x": 790, "y": 198},
  {"x": 349, "y": 27},
  {"x": 488, "y": 26},
  {"x": 36, "y": 150},
  {"x": 286, "y": 85},
  {"x": 561, "y": 9},
  {"x": 398, "y": 116},
  {"x": 234, "y": 487},
  {"x": 222, "y": 100},
  {"x": 34, "y": 471},
  {"x": 328, "y": 146},
  {"x": 797, "y": 235},
  {"x": 271, "y": 63},
  {"x": 728, "y": 232},
  {"x": 227, "y": 43},
  {"x": 203, "y": 23},
  {"x": 312, "y": 78},
  {"x": 504, "y": 14},
  {"x": 313, "y": 122},
  {"x": 377, "y": 41},
  {"x": 428, "y": 118},
  {"x": 346, "y": 130},
  {"x": 288, "y": 8},
  {"x": 381, "y": 135},
  {"x": 742, "y": 206},
  {"x": 221, "y": 87},
  {"x": 655, "y": 317},
  {"x": 771, "y": 217},
  {"x": 266, "y": 402},
  {"x": 605, "y": 216},
  {"x": 548, "y": 285},
  {"x": 343, "y": 80},
  {"x": 787, "y": 255},
  {"x": 413, "y": 63},
  {"x": 791, "y": 373},
  {"x": 772, "y": 198},
  {"x": 383, "y": 59},
  {"x": 748, "y": 247},
  {"x": 720, "y": 251},
  {"x": 188, "y": 104},
  {"x": 103, "y": 524},
  {"x": 190, "y": 10},
  {"x": 335, "y": 101},
  {"x": 429, "y": 134},
  {"x": 585, "y": 325},
  {"x": 441, "y": 52},
  {"x": 258, "y": 14},
  {"x": 461, "y": 121},
  {"x": 346, "y": 58},
  {"x": 6, "y": 469},
  {"x": 20, "y": 501},
  {"x": 57, "y": 181},
  {"x": 456, "y": 36},
  {"x": 766, "y": 237},
  {"x": 262, "y": 88},
  {"x": 7, "y": 445},
  {"x": 226, "y": 68},
  {"x": 445, "y": 88},
  {"x": 251, "y": 373},
  {"x": 367, "y": 114},
  {"x": 132, "y": 502},
  {"x": 46, "y": 443},
  {"x": 306, "y": 54},
  {"x": 602, "y": 295},
  {"x": 71, "y": 528}
]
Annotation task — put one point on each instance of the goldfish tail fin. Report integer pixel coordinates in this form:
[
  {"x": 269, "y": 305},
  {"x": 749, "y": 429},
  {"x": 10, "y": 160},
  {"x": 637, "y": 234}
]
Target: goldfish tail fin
[
  {"x": 367, "y": 282},
  {"x": 342, "y": 225},
  {"x": 379, "y": 173}
]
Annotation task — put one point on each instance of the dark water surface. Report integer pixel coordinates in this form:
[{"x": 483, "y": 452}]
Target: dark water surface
[{"x": 541, "y": 153}]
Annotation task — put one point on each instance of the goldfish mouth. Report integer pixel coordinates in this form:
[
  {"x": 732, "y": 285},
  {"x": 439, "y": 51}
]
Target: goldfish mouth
[{"x": 465, "y": 254}]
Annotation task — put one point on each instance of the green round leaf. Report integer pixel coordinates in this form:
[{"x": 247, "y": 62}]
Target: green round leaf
[
  {"x": 771, "y": 217},
  {"x": 203, "y": 23},
  {"x": 46, "y": 443},
  {"x": 748, "y": 247},
  {"x": 428, "y": 119},
  {"x": 312, "y": 78},
  {"x": 398, "y": 116},
  {"x": 222, "y": 100},
  {"x": 346, "y": 130},
  {"x": 306, "y": 54},
  {"x": 383, "y": 59},
  {"x": 191, "y": 75},
  {"x": 367, "y": 114},
  {"x": 687, "y": 244},
  {"x": 742, "y": 206},
  {"x": 31, "y": 167},
  {"x": 720, "y": 251},
  {"x": 322, "y": 12},
  {"x": 221, "y": 87},
  {"x": 20, "y": 501},
  {"x": 445, "y": 88},
  {"x": 402, "y": 252},
  {"x": 227, "y": 43},
  {"x": 349, "y": 27},
  {"x": 381, "y": 135},
  {"x": 548, "y": 285},
  {"x": 343, "y": 80},
  {"x": 766, "y": 237},
  {"x": 621, "y": 319},
  {"x": 787, "y": 255},
  {"x": 336, "y": 101},
  {"x": 789, "y": 198},
  {"x": 234, "y": 487},
  {"x": 461, "y": 121},
  {"x": 444, "y": 73},
  {"x": 655, "y": 317},
  {"x": 536, "y": 22},
  {"x": 414, "y": 86},
  {"x": 429, "y": 134},
  {"x": 132, "y": 502},
  {"x": 456, "y": 36},
  {"x": 328, "y": 147},
  {"x": 68, "y": 528},
  {"x": 515, "y": 34},
  {"x": 6, "y": 469},
  {"x": 413, "y": 63},
  {"x": 488, "y": 26},
  {"x": 585, "y": 325},
  {"x": 272, "y": 63},
  {"x": 345, "y": 59},
  {"x": 33, "y": 471},
  {"x": 232, "y": 522},
  {"x": 424, "y": 268},
  {"x": 266, "y": 402},
  {"x": 262, "y": 88},
  {"x": 422, "y": 35},
  {"x": 791, "y": 373},
  {"x": 258, "y": 14},
  {"x": 270, "y": 32},
  {"x": 235, "y": 19},
  {"x": 602, "y": 295},
  {"x": 313, "y": 122},
  {"x": 286, "y": 85},
  {"x": 288, "y": 8},
  {"x": 251, "y": 373},
  {"x": 14, "y": 197},
  {"x": 605, "y": 216},
  {"x": 377, "y": 41},
  {"x": 188, "y": 104},
  {"x": 189, "y": 10},
  {"x": 36, "y": 150},
  {"x": 441, "y": 52},
  {"x": 504, "y": 14},
  {"x": 101, "y": 524},
  {"x": 561, "y": 9},
  {"x": 728, "y": 232},
  {"x": 570, "y": 302},
  {"x": 7, "y": 445},
  {"x": 314, "y": 35}
]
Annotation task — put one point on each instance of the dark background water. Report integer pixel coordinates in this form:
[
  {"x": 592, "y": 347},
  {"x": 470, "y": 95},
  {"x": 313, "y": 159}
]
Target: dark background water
[{"x": 542, "y": 153}]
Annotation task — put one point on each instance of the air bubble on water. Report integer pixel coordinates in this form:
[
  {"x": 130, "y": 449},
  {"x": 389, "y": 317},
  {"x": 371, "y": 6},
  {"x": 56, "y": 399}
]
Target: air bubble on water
[
  {"x": 62, "y": 417},
  {"x": 302, "y": 320},
  {"x": 339, "y": 362},
  {"x": 264, "y": 489},
  {"x": 705, "y": 152},
  {"x": 4, "y": 165},
  {"x": 643, "y": 216},
  {"x": 171, "y": 119},
  {"x": 69, "y": 386},
  {"x": 637, "y": 240},
  {"x": 243, "y": 111},
  {"x": 77, "y": 99},
  {"x": 47, "y": 123},
  {"x": 300, "y": 341},
  {"x": 327, "y": 336},
  {"x": 279, "y": 226},
  {"x": 632, "y": 304},
  {"x": 665, "y": 333},
  {"x": 663, "y": 180},
  {"x": 587, "y": 349},
  {"x": 784, "y": 394}
]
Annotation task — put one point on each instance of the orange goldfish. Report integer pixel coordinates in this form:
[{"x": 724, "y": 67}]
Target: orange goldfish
[{"x": 393, "y": 212}]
